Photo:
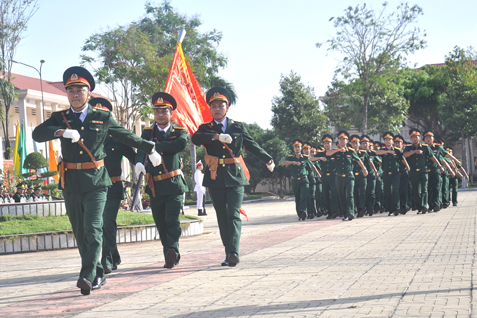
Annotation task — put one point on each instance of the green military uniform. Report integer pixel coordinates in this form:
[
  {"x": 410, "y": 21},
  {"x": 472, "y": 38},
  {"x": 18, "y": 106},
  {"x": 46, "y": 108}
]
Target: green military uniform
[
  {"x": 227, "y": 188},
  {"x": 379, "y": 193},
  {"x": 328, "y": 179},
  {"x": 114, "y": 154},
  {"x": 403, "y": 181},
  {"x": 419, "y": 174},
  {"x": 453, "y": 182},
  {"x": 370, "y": 178},
  {"x": 435, "y": 176},
  {"x": 166, "y": 179},
  {"x": 345, "y": 178},
  {"x": 28, "y": 195},
  {"x": 300, "y": 183},
  {"x": 360, "y": 181},
  {"x": 85, "y": 183},
  {"x": 18, "y": 196},
  {"x": 312, "y": 176},
  {"x": 391, "y": 176},
  {"x": 319, "y": 204}
]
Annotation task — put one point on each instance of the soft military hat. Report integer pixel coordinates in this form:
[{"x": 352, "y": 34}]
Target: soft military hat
[
  {"x": 354, "y": 138},
  {"x": 38, "y": 187},
  {"x": 414, "y": 132},
  {"x": 163, "y": 100},
  {"x": 218, "y": 93},
  {"x": 30, "y": 186},
  {"x": 429, "y": 132},
  {"x": 327, "y": 137},
  {"x": 78, "y": 76},
  {"x": 388, "y": 135},
  {"x": 297, "y": 141},
  {"x": 365, "y": 138},
  {"x": 399, "y": 138},
  {"x": 343, "y": 134},
  {"x": 101, "y": 103}
]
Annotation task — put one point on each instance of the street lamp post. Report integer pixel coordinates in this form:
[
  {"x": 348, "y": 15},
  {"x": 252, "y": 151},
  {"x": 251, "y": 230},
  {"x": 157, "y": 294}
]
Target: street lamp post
[{"x": 42, "y": 100}]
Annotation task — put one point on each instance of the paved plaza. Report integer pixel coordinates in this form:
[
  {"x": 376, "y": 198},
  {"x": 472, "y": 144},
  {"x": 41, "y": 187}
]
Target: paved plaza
[{"x": 379, "y": 266}]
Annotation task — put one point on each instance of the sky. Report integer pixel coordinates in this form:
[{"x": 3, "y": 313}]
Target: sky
[{"x": 263, "y": 39}]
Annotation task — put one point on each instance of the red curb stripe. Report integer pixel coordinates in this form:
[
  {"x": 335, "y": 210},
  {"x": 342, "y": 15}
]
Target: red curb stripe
[{"x": 70, "y": 302}]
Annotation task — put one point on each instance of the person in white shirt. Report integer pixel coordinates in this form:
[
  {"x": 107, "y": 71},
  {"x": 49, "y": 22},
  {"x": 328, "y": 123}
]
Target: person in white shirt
[{"x": 198, "y": 178}]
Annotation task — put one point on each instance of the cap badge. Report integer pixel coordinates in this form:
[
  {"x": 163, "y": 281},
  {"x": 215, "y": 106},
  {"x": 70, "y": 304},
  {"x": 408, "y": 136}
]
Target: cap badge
[{"x": 74, "y": 77}]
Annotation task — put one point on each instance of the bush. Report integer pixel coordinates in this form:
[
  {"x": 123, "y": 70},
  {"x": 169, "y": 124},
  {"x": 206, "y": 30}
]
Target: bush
[
  {"x": 50, "y": 173},
  {"x": 35, "y": 160}
]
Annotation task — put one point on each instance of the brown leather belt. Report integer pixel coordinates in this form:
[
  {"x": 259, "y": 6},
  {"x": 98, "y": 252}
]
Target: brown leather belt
[
  {"x": 168, "y": 175},
  {"x": 115, "y": 179},
  {"x": 228, "y": 161},
  {"x": 84, "y": 165}
]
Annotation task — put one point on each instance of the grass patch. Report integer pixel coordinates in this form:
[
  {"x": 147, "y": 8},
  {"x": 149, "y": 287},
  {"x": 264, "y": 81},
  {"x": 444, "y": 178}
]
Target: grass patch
[{"x": 10, "y": 225}]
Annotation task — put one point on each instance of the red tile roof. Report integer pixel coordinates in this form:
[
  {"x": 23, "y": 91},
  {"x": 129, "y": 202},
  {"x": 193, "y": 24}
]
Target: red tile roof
[{"x": 22, "y": 82}]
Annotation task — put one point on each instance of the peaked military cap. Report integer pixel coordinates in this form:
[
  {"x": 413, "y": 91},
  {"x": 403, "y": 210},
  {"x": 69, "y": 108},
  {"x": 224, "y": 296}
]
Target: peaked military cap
[
  {"x": 163, "y": 100},
  {"x": 365, "y": 138},
  {"x": 377, "y": 144},
  {"x": 429, "y": 132},
  {"x": 354, "y": 138},
  {"x": 218, "y": 93},
  {"x": 38, "y": 187},
  {"x": 100, "y": 102},
  {"x": 449, "y": 149},
  {"x": 343, "y": 134},
  {"x": 388, "y": 134},
  {"x": 30, "y": 186},
  {"x": 297, "y": 141},
  {"x": 306, "y": 144},
  {"x": 414, "y": 132},
  {"x": 327, "y": 137},
  {"x": 399, "y": 138},
  {"x": 442, "y": 141},
  {"x": 78, "y": 76}
]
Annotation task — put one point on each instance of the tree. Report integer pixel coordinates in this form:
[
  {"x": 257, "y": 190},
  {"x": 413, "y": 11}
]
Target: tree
[
  {"x": 374, "y": 44},
  {"x": 424, "y": 89},
  {"x": 14, "y": 17},
  {"x": 134, "y": 60},
  {"x": 296, "y": 113},
  {"x": 460, "y": 102}
]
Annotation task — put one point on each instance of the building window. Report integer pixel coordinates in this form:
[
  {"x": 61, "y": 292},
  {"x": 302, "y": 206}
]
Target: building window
[
  {"x": 48, "y": 115},
  {"x": 17, "y": 110},
  {"x": 33, "y": 112}
]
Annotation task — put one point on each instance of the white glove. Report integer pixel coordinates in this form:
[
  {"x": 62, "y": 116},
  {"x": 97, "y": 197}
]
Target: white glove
[
  {"x": 155, "y": 158},
  {"x": 72, "y": 134},
  {"x": 139, "y": 168},
  {"x": 271, "y": 166},
  {"x": 226, "y": 138}
]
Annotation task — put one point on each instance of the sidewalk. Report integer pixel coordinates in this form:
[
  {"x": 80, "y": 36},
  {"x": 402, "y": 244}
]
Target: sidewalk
[{"x": 380, "y": 266}]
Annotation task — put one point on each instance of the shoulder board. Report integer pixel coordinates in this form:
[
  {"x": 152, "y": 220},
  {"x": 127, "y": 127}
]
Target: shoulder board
[
  {"x": 105, "y": 109},
  {"x": 424, "y": 145},
  {"x": 397, "y": 148},
  {"x": 336, "y": 148},
  {"x": 305, "y": 156},
  {"x": 362, "y": 150},
  {"x": 235, "y": 121},
  {"x": 179, "y": 127},
  {"x": 148, "y": 128},
  {"x": 351, "y": 149}
]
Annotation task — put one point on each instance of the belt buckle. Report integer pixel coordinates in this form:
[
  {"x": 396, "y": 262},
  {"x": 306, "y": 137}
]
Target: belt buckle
[
  {"x": 328, "y": 174},
  {"x": 221, "y": 161},
  {"x": 418, "y": 169},
  {"x": 298, "y": 178},
  {"x": 356, "y": 173},
  {"x": 429, "y": 170},
  {"x": 159, "y": 178},
  {"x": 343, "y": 175},
  {"x": 79, "y": 166},
  {"x": 390, "y": 173}
]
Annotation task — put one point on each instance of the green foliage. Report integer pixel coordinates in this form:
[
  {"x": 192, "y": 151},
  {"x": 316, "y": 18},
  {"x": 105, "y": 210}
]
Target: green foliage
[
  {"x": 296, "y": 113},
  {"x": 374, "y": 45},
  {"x": 35, "y": 161},
  {"x": 47, "y": 174}
]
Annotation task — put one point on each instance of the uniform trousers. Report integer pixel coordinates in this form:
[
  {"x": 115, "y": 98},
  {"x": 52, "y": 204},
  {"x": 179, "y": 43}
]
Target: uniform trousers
[
  {"x": 435, "y": 188},
  {"x": 320, "y": 205},
  {"x": 453, "y": 184},
  {"x": 360, "y": 184},
  {"x": 379, "y": 193},
  {"x": 445, "y": 189},
  {"x": 166, "y": 210},
  {"x": 330, "y": 196},
  {"x": 311, "y": 209},
  {"x": 391, "y": 183},
  {"x": 370, "y": 191},
  {"x": 419, "y": 188},
  {"x": 345, "y": 189},
  {"x": 227, "y": 202},
  {"x": 200, "y": 199},
  {"x": 404, "y": 190},
  {"x": 85, "y": 212},
  {"x": 300, "y": 189}
]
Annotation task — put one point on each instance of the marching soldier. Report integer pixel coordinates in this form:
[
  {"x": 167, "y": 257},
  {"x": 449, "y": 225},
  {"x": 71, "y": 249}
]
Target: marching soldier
[
  {"x": 391, "y": 157},
  {"x": 223, "y": 139},
  {"x": 312, "y": 176},
  {"x": 320, "y": 207},
  {"x": 165, "y": 183},
  {"x": 328, "y": 174},
  {"x": 115, "y": 151},
  {"x": 360, "y": 183},
  {"x": 379, "y": 194},
  {"x": 371, "y": 178},
  {"x": 300, "y": 182},
  {"x": 418, "y": 156},
  {"x": 343, "y": 159},
  {"x": 453, "y": 182},
  {"x": 404, "y": 177},
  {"x": 82, "y": 130}
]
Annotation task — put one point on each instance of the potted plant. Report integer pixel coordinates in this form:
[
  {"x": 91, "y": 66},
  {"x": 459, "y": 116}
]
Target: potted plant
[{"x": 145, "y": 200}]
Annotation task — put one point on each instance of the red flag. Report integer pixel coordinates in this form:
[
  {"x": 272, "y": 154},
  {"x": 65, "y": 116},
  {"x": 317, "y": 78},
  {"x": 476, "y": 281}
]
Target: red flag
[{"x": 192, "y": 109}]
